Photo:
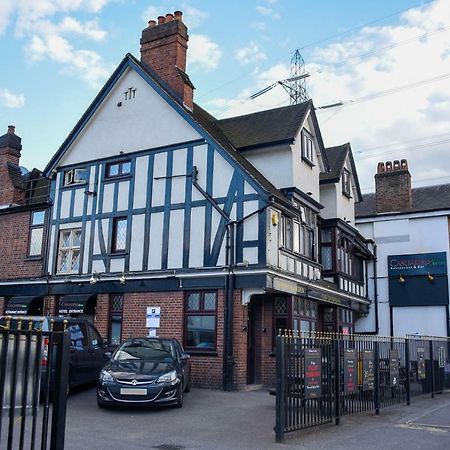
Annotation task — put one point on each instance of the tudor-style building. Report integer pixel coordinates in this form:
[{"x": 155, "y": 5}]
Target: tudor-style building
[
  {"x": 155, "y": 203},
  {"x": 24, "y": 204}
]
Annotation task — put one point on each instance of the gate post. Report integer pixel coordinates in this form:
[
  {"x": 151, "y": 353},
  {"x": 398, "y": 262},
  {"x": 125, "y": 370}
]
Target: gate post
[
  {"x": 408, "y": 379},
  {"x": 376, "y": 387},
  {"x": 60, "y": 391},
  {"x": 432, "y": 368},
  {"x": 280, "y": 406},
  {"x": 337, "y": 380}
]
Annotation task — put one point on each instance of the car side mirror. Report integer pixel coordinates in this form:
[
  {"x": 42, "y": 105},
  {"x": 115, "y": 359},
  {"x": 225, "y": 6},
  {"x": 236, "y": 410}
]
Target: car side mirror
[
  {"x": 107, "y": 355},
  {"x": 184, "y": 357}
]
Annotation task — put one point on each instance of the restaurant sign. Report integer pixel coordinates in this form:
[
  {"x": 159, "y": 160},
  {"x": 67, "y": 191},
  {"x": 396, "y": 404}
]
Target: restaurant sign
[
  {"x": 417, "y": 264},
  {"x": 313, "y": 373}
]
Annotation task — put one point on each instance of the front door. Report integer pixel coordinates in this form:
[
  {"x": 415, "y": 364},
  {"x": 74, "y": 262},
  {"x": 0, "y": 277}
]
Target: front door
[{"x": 251, "y": 342}]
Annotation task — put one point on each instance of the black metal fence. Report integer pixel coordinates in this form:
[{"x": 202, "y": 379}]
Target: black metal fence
[
  {"x": 33, "y": 371},
  {"x": 322, "y": 377}
]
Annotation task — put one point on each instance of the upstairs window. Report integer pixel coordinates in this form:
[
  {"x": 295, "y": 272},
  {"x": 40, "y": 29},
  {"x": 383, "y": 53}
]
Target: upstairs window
[
  {"x": 75, "y": 176},
  {"x": 299, "y": 235},
  {"x": 119, "y": 236},
  {"x": 69, "y": 251},
  {"x": 118, "y": 169},
  {"x": 346, "y": 183},
  {"x": 307, "y": 147},
  {"x": 36, "y": 233}
]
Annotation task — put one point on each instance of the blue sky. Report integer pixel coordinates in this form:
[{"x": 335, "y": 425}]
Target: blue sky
[{"x": 57, "y": 54}]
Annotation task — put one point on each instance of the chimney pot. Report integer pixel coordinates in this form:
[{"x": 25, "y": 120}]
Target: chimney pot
[
  {"x": 169, "y": 17},
  {"x": 381, "y": 168},
  {"x": 152, "y": 23},
  {"x": 161, "y": 20},
  {"x": 11, "y": 129},
  {"x": 178, "y": 15}
]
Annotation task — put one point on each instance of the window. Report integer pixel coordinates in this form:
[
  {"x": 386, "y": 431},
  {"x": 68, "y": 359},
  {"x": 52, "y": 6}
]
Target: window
[
  {"x": 36, "y": 233},
  {"x": 69, "y": 250},
  {"x": 78, "y": 336},
  {"x": 95, "y": 338},
  {"x": 75, "y": 176},
  {"x": 280, "y": 316},
  {"x": 115, "y": 319},
  {"x": 118, "y": 169},
  {"x": 201, "y": 311},
  {"x": 119, "y": 236},
  {"x": 307, "y": 147},
  {"x": 299, "y": 236},
  {"x": 326, "y": 249},
  {"x": 346, "y": 183}
]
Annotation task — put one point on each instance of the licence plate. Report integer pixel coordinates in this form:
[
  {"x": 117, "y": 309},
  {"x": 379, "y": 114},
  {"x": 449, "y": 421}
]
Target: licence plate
[{"x": 130, "y": 391}]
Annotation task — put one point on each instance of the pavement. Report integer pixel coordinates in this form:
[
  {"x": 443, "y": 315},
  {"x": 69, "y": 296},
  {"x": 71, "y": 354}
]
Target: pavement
[{"x": 245, "y": 420}]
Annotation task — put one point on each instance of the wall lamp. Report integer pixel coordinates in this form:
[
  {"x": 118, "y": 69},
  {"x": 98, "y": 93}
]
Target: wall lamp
[
  {"x": 430, "y": 277},
  {"x": 122, "y": 279},
  {"x": 401, "y": 280},
  {"x": 95, "y": 278}
]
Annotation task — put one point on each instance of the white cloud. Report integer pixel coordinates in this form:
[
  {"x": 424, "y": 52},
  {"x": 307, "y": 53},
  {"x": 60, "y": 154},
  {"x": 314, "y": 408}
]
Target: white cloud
[
  {"x": 268, "y": 11},
  {"x": 10, "y": 100},
  {"x": 250, "y": 54},
  {"x": 203, "y": 53},
  {"x": 44, "y": 26},
  {"x": 259, "y": 25},
  {"x": 415, "y": 115}
]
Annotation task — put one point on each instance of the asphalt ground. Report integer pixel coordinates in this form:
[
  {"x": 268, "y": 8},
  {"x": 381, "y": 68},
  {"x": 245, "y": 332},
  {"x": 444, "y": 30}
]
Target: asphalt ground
[{"x": 245, "y": 420}]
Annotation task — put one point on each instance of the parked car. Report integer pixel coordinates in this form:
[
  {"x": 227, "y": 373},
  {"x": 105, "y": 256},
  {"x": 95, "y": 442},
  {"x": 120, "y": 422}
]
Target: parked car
[
  {"x": 145, "y": 371},
  {"x": 88, "y": 350}
]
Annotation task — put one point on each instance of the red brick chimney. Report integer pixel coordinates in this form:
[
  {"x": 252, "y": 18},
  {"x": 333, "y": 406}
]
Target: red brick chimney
[
  {"x": 163, "y": 49},
  {"x": 393, "y": 187},
  {"x": 11, "y": 191}
]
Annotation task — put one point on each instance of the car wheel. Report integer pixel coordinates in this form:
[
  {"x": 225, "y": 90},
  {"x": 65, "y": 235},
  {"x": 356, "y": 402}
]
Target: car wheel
[
  {"x": 179, "y": 403},
  {"x": 188, "y": 385}
]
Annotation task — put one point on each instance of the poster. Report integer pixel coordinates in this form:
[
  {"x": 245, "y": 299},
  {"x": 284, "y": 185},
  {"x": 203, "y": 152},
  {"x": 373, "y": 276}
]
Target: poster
[
  {"x": 368, "y": 370},
  {"x": 350, "y": 367},
  {"x": 394, "y": 368},
  {"x": 153, "y": 316},
  {"x": 421, "y": 372},
  {"x": 441, "y": 357},
  {"x": 313, "y": 373}
]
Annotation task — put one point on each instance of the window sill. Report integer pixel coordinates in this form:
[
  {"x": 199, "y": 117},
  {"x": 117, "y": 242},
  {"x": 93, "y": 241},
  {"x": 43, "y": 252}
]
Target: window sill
[
  {"x": 74, "y": 186},
  {"x": 307, "y": 161},
  {"x": 34, "y": 258},
  {"x": 211, "y": 353},
  {"x": 299, "y": 256},
  {"x": 117, "y": 178}
]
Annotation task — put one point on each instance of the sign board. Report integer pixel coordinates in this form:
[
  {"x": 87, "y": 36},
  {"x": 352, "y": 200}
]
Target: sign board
[
  {"x": 313, "y": 373},
  {"x": 421, "y": 372},
  {"x": 153, "y": 316},
  {"x": 417, "y": 264},
  {"x": 441, "y": 357},
  {"x": 350, "y": 370},
  {"x": 368, "y": 370},
  {"x": 394, "y": 368}
]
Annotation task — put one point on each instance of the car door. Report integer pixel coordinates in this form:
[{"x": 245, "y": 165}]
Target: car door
[
  {"x": 96, "y": 352},
  {"x": 79, "y": 363},
  {"x": 184, "y": 362}
]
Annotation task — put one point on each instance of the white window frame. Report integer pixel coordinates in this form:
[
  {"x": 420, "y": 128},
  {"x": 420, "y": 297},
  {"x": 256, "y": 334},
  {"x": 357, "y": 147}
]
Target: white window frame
[
  {"x": 72, "y": 176},
  {"x": 346, "y": 183},
  {"x": 307, "y": 147},
  {"x": 70, "y": 250}
]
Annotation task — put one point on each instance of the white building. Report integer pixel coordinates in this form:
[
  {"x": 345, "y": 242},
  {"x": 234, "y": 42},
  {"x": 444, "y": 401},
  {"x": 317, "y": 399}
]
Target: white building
[{"x": 410, "y": 228}]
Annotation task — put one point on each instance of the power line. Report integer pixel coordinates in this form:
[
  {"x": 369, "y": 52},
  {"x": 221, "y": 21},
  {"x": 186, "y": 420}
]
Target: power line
[
  {"x": 418, "y": 180},
  {"x": 310, "y": 44}
]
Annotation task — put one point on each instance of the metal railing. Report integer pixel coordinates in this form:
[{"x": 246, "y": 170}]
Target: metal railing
[
  {"x": 322, "y": 377},
  {"x": 34, "y": 366}
]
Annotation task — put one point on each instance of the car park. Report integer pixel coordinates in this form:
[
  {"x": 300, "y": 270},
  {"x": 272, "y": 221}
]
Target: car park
[
  {"x": 145, "y": 371},
  {"x": 88, "y": 350}
]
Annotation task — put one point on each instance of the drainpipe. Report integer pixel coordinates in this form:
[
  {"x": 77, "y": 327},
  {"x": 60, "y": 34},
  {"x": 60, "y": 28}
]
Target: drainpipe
[{"x": 375, "y": 287}]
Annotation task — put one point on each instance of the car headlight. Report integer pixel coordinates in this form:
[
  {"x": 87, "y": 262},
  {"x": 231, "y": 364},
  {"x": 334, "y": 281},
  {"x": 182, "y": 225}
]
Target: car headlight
[
  {"x": 169, "y": 377},
  {"x": 105, "y": 376}
]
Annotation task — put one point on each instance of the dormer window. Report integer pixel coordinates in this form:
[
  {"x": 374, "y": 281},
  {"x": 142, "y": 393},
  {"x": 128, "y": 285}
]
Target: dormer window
[
  {"x": 75, "y": 176},
  {"x": 307, "y": 148},
  {"x": 346, "y": 183}
]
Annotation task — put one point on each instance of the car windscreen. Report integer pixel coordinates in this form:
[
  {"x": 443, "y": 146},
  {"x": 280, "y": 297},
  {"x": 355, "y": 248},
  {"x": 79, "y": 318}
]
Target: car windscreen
[{"x": 144, "y": 350}]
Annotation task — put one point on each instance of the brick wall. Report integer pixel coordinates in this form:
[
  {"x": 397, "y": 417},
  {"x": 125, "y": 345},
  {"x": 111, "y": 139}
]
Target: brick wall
[
  {"x": 2, "y": 305},
  {"x": 14, "y": 263},
  {"x": 101, "y": 318}
]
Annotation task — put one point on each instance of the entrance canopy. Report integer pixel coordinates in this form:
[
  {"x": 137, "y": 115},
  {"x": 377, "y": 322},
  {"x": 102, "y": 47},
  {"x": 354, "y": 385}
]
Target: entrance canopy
[
  {"x": 75, "y": 304},
  {"x": 22, "y": 305}
]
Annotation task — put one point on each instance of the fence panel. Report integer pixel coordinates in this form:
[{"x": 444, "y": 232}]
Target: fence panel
[
  {"x": 31, "y": 362},
  {"x": 323, "y": 376}
]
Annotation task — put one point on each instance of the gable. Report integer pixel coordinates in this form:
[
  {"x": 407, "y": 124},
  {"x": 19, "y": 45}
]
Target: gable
[
  {"x": 124, "y": 124},
  {"x": 311, "y": 126}
]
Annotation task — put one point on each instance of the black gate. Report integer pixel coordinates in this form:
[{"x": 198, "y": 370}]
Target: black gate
[
  {"x": 322, "y": 377},
  {"x": 32, "y": 371}
]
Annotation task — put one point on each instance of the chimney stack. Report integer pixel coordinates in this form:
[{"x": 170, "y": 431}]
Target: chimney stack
[
  {"x": 393, "y": 187},
  {"x": 163, "y": 50},
  {"x": 10, "y": 148}
]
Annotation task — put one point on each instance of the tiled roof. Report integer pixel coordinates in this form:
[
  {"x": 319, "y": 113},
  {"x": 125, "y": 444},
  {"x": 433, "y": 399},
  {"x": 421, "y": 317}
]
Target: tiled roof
[{"x": 429, "y": 198}]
